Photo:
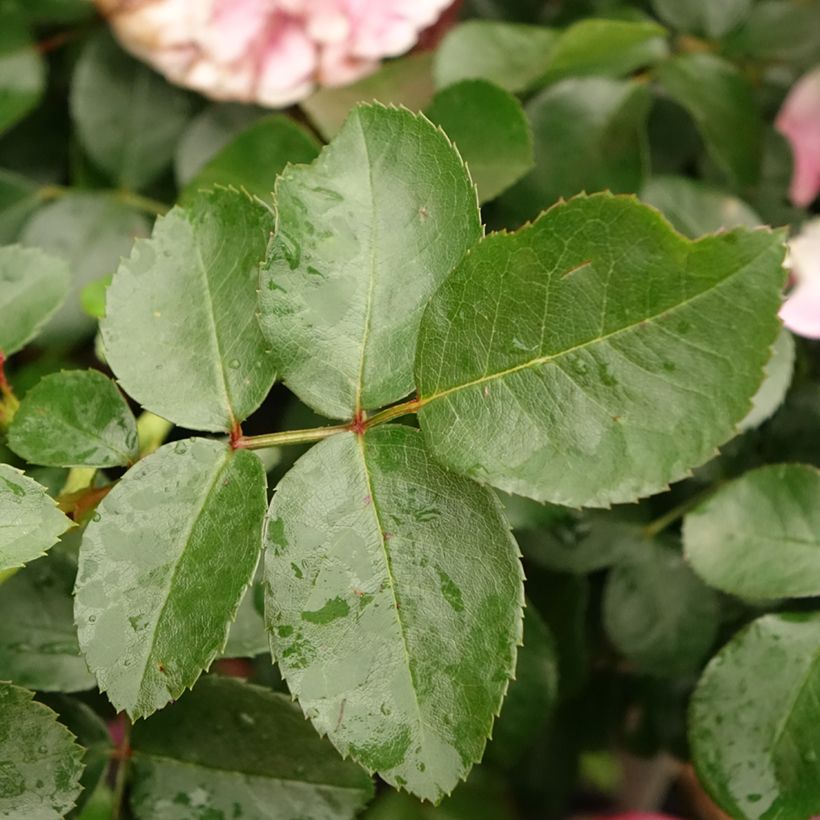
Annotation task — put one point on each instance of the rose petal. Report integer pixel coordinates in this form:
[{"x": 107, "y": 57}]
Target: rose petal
[{"x": 799, "y": 122}]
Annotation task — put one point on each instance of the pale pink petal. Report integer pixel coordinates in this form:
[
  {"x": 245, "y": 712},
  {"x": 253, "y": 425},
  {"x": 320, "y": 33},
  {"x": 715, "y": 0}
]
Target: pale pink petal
[
  {"x": 287, "y": 65},
  {"x": 799, "y": 122},
  {"x": 233, "y": 27},
  {"x": 273, "y": 52},
  {"x": 801, "y": 311}
]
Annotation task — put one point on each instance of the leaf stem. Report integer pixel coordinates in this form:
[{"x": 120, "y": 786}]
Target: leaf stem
[
  {"x": 406, "y": 408},
  {"x": 288, "y": 437},
  {"x": 359, "y": 425},
  {"x": 657, "y": 526},
  {"x": 141, "y": 203},
  {"x": 123, "y": 756}
]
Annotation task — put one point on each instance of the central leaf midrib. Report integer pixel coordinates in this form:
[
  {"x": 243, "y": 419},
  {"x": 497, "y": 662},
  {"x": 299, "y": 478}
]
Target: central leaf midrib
[
  {"x": 185, "y": 540},
  {"x": 553, "y": 357},
  {"x": 781, "y": 728},
  {"x": 371, "y": 286},
  {"x": 392, "y": 582},
  {"x": 214, "y": 333}
]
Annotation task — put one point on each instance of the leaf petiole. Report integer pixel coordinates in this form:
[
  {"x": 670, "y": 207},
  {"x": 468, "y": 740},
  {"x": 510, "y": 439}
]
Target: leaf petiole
[{"x": 318, "y": 433}]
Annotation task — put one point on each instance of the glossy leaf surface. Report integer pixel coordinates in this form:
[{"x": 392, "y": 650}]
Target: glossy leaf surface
[
  {"x": 32, "y": 287},
  {"x": 394, "y": 605},
  {"x": 585, "y": 360},
  {"x": 30, "y": 522},
  {"x": 75, "y": 418},
  {"x": 38, "y": 640},
  {"x": 236, "y": 750},
  {"x": 759, "y": 537},
  {"x": 163, "y": 566},
  {"x": 752, "y": 720},
  {"x": 364, "y": 236},
  {"x": 41, "y": 763},
  {"x": 500, "y": 152},
  {"x": 186, "y": 298}
]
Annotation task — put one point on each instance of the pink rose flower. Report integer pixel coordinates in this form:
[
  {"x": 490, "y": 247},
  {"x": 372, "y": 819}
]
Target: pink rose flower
[
  {"x": 801, "y": 312},
  {"x": 272, "y": 52},
  {"x": 799, "y": 122}
]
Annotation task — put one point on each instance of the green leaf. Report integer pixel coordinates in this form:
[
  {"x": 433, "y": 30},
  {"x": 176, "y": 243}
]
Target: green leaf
[
  {"x": 41, "y": 768},
  {"x": 759, "y": 537},
  {"x": 163, "y": 566},
  {"x": 380, "y": 564},
  {"x": 92, "y": 734},
  {"x": 498, "y": 153},
  {"x": 407, "y": 82},
  {"x": 532, "y": 695},
  {"x": 582, "y": 544},
  {"x": 38, "y": 641},
  {"x": 19, "y": 197},
  {"x": 605, "y": 47},
  {"x": 92, "y": 296},
  {"x": 30, "y": 522},
  {"x": 127, "y": 117},
  {"x": 253, "y": 159},
  {"x": 658, "y": 613},
  {"x": 694, "y": 208},
  {"x": 773, "y": 391},
  {"x": 76, "y": 418},
  {"x": 586, "y": 360},
  {"x": 777, "y": 31},
  {"x": 22, "y": 70},
  {"x": 753, "y": 720},
  {"x": 723, "y": 105},
  {"x": 233, "y": 750},
  {"x": 33, "y": 285},
  {"x": 92, "y": 233},
  {"x": 714, "y": 19},
  {"x": 511, "y": 55},
  {"x": 589, "y": 136},
  {"x": 207, "y": 134},
  {"x": 180, "y": 331},
  {"x": 364, "y": 237}
]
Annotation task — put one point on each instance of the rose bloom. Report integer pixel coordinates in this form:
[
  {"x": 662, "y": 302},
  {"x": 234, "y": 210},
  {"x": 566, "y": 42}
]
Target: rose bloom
[
  {"x": 799, "y": 122},
  {"x": 801, "y": 312},
  {"x": 271, "y": 52}
]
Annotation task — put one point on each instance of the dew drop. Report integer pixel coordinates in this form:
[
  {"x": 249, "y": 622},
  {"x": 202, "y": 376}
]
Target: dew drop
[
  {"x": 180, "y": 448},
  {"x": 234, "y": 364},
  {"x": 96, "y": 517}
]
